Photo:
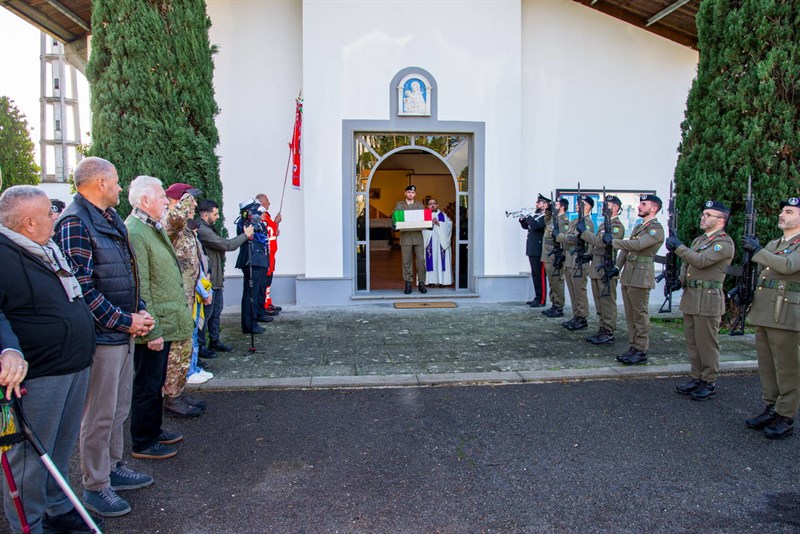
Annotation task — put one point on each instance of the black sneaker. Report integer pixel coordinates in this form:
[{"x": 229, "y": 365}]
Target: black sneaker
[
  {"x": 219, "y": 346},
  {"x": 780, "y": 427},
  {"x": 578, "y": 323},
  {"x": 760, "y": 421},
  {"x": 688, "y": 387},
  {"x": 156, "y": 452},
  {"x": 704, "y": 391},
  {"x": 206, "y": 353},
  {"x": 602, "y": 337},
  {"x": 69, "y": 523}
]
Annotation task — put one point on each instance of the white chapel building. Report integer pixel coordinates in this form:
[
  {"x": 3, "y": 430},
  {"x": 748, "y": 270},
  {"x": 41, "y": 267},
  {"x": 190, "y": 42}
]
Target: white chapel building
[{"x": 481, "y": 104}]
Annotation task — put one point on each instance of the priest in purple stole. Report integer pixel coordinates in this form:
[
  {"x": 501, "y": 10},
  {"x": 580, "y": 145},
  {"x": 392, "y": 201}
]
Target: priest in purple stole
[{"x": 438, "y": 252}]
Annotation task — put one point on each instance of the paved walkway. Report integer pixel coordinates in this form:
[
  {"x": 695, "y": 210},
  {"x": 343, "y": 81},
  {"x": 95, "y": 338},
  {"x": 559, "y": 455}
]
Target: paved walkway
[{"x": 375, "y": 344}]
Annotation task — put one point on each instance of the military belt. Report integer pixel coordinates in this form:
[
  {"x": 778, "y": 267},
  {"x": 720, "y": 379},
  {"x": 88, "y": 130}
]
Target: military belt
[
  {"x": 794, "y": 287},
  {"x": 639, "y": 259},
  {"x": 705, "y": 284}
]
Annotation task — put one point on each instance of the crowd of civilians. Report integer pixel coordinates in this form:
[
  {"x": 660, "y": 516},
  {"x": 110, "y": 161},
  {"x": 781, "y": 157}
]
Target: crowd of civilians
[{"x": 105, "y": 319}]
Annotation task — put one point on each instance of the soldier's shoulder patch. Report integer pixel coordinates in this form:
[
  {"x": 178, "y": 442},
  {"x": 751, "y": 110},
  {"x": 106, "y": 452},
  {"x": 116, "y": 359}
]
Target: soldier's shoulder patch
[
  {"x": 652, "y": 231},
  {"x": 717, "y": 247},
  {"x": 615, "y": 229}
]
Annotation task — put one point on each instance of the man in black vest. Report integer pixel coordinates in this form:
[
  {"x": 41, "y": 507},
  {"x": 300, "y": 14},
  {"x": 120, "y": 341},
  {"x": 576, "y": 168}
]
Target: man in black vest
[
  {"x": 92, "y": 234},
  {"x": 52, "y": 327}
]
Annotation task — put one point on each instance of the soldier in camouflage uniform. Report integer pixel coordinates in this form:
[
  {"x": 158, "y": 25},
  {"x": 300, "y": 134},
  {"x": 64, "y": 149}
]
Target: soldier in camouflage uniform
[
  {"x": 188, "y": 251},
  {"x": 575, "y": 275},
  {"x": 776, "y": 316},
  {"x": 606, "y": 306},
  {"x": 703, "y": 301},
  {"x": 638, "y": 276},
  {"x": 555, "y": 278}
]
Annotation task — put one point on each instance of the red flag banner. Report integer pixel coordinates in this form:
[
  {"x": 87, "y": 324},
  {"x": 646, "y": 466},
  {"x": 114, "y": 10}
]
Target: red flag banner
[{"x": 294, "y": 147}]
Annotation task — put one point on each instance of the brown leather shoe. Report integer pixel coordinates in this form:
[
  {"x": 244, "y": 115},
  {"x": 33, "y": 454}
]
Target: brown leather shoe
[{"x": 178, "y": 407}]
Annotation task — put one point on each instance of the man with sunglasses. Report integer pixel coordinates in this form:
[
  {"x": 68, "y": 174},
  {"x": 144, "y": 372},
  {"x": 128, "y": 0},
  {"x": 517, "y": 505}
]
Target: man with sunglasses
[{"x": 703, "y": 300}]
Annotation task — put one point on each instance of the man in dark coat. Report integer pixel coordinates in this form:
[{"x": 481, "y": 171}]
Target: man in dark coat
[
  {"x": 535, "y": 224},
  {"x": 253, "y": 260},
  {"x": 52, "y": 327}
]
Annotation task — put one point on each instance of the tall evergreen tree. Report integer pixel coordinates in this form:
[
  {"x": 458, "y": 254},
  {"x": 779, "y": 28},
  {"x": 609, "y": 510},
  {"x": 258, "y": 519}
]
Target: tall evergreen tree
[
  {"x": 17, "y": 163},
  {"x": 151, "y": 72},
  {"x": 743, "y": 113}
]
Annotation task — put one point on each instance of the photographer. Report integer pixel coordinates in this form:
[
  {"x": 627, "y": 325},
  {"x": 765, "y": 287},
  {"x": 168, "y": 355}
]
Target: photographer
[{"x": 253, "y": 260}]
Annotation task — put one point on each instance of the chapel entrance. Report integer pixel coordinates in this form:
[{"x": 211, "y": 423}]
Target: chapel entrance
[{"x": 421, "y": 163}]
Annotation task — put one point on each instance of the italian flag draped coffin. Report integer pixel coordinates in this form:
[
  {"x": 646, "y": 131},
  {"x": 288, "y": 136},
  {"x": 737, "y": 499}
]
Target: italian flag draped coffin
[{"x": 412, "y": 219}]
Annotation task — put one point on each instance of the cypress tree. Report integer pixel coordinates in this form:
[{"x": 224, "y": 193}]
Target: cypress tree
[
  {"x": 17, "y": 164},
  {"x": 743, "y": 114},
  {"x": 151, "y": 73}
]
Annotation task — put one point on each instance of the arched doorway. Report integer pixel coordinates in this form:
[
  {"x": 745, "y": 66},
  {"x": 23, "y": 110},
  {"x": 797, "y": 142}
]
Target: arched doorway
[
  {"x": 432, "y": 178},
  {"x": 385, "y": 164}
]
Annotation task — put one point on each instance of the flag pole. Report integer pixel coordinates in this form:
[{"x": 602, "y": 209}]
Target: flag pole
[{"x": 289, "y": 160}]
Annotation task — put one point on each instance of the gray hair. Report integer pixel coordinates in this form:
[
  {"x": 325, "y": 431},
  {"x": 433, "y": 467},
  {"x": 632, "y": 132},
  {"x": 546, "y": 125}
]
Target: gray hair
[
  {"x": 89, "y": 169},
  {"x": 12, "y": 199},
  {"x": 140, "y": 186}
]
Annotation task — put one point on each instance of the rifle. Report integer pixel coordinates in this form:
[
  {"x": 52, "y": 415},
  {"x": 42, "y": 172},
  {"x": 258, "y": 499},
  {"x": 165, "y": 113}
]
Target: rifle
[
  {"x": 558, "y": 248},
  {"x": 746, "y": 276},
  {"x": 608, "y": 265},
  {"x": 581, "y": 256},
  {"x": 670, "y": 273}
]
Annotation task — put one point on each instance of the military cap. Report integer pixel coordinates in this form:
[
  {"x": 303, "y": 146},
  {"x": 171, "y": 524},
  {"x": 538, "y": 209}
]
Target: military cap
[
  {"x": 614, "y": 200},
  {"x": 793, "y": 202},
  {"x": 651, "y": 198},
  {"x": 543, "y": 198},
  {"x": 411, "y": 188},
  {"x": 714, "y": 205},
  {"x": 563, "y": 201},
  {"x": 587, "y": 199},
  {"x": 176, "y": 191}
]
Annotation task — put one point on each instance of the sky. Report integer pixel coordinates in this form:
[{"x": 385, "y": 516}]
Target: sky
[{"x": 20, "y": 45}]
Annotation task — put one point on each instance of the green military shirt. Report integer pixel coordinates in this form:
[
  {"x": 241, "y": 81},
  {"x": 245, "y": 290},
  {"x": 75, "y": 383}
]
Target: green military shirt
[
  {"x": 776, "y": 303},
  {"x": 637, "y": 253},
  {"x": 569, "y": 238},
  {"x": 703, "y": 272},
  {"x": 598, "y": 249},
  {"x": 548, "y": 241}
]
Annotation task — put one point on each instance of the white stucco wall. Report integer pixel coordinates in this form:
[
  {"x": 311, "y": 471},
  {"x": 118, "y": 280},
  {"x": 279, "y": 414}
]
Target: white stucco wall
[
  {"x": 257, "y": 77},
  {"x": 351, "y": 51},
  {"x": 602, "y": 101}
]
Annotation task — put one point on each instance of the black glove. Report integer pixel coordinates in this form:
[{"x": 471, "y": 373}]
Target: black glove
[
  {"x": 613, "y": 272},
  {"x": 750, "y": 244},
  {"x": 580, "y": 227},
  {"x": 673, "y": 243},
  {"x": 607, "y": 238}
]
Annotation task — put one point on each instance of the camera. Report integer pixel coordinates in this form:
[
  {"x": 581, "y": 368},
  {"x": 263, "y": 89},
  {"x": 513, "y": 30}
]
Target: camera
[{"x": 251, "y": 213}]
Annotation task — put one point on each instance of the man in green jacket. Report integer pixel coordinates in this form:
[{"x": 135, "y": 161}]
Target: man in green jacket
[
  {"x": 215, "y": 247},
  {"x": 161, "y": 287}
]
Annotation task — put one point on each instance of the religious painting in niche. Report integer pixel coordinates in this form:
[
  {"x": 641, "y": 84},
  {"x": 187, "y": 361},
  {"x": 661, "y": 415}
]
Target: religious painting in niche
[{"x": 414, "y": 96}]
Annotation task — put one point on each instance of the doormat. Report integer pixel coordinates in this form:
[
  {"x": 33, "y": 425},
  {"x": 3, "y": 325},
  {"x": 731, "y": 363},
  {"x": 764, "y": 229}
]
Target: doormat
[{"x": 413, "y": 305}]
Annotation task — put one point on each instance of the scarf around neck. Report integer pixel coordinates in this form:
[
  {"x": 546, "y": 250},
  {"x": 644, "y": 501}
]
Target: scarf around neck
[{"x": 52, "y": 256}]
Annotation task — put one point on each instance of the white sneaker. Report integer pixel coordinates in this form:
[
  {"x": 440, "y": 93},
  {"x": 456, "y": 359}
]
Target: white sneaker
[
  {"x": 198, "y": 378},
  {"x": 205, "y": 373}
]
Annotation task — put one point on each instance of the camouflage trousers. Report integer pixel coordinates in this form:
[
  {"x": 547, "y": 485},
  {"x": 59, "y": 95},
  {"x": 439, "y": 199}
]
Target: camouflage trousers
[{"x": 180, "y": 355}]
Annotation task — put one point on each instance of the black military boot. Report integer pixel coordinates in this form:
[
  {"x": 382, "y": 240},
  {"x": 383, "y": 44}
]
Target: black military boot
[
  {"x": 555, "y": 311},
  {"x": 408, "y": 288},
  {"x": 601, "y": 337},
  {"x": 688, "y": 387},
  {"x": 530, "y": 302},
  {"x": 760, "y": 421},
  {"x": 579, "y": 324},
  {"x": 636, "y": 357},
  {"x": 537, "y": 304},
  {"x": 422, "y": 288},
  {"x": 780, "y": 427},
  {"x": 705, "y": 390},
  {"x": 625, "y": 354},
  {"x": 568, "y": 324}
]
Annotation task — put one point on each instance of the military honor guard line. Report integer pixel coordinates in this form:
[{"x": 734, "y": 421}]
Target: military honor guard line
[{"x": 767, "y": 291}]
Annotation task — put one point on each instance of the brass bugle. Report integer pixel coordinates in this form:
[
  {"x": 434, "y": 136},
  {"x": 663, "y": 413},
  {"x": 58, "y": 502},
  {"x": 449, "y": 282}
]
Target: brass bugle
[{"x": 519, "y": 213}]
